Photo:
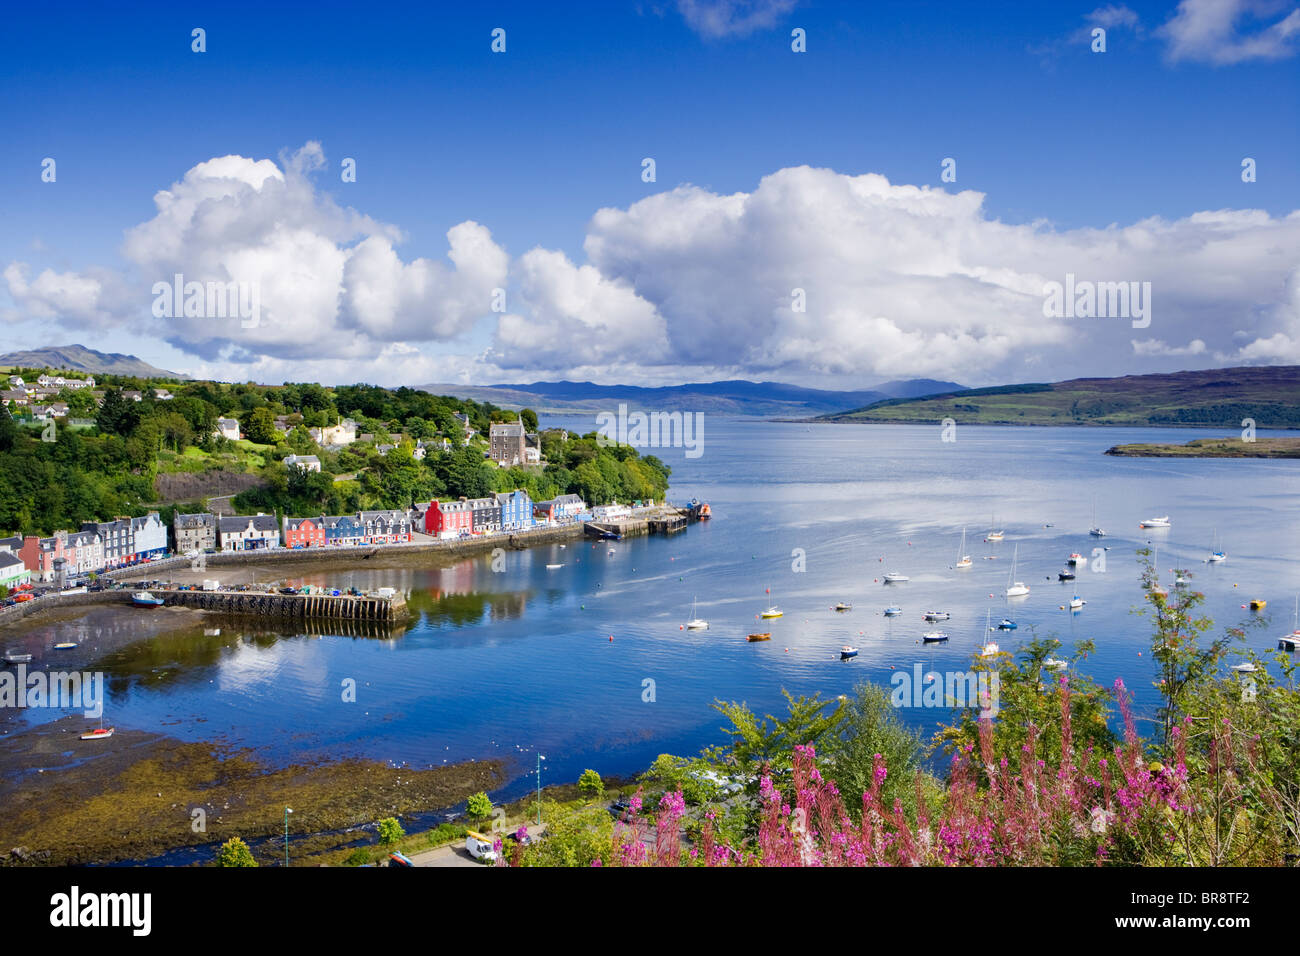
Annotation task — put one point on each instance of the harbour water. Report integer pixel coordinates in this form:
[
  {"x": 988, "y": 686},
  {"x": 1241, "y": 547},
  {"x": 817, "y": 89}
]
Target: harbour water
[{"x": 588, "y": 663}]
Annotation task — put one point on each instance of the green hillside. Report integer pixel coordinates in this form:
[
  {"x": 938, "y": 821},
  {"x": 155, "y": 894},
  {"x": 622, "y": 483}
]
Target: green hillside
[{"x": 1214, "y": 397}]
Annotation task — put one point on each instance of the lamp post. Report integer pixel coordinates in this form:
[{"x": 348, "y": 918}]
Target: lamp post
[
  {"x": 287, "y": 811},
  {"x": 540, "y": 758}
]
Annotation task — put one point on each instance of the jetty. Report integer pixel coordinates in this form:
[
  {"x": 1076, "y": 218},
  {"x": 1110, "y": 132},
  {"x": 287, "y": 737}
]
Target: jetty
[{"x": 342, "y": 607}]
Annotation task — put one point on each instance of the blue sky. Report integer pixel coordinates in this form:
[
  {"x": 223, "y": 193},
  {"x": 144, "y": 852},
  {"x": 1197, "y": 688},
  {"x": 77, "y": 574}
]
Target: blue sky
[{"x": 532, "y": 142}]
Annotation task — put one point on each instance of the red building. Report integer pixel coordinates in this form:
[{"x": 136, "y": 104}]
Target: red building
[
  {"x": 449, "y": 519},
  {"x": 304, "y": 533}
]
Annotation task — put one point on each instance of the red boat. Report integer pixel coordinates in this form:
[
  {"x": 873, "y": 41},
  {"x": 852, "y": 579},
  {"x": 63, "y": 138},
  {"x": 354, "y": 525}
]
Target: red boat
[{"x": 99, "y": 732}]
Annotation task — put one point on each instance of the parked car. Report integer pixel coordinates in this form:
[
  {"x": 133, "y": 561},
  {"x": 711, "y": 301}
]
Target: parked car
[
  {"x": 288, "y": 590},
  {"x": 621, "y": 811}
]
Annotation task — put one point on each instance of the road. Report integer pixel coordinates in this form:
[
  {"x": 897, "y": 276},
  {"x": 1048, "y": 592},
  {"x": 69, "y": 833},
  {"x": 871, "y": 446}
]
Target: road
[{"x": 457, "y": 855}]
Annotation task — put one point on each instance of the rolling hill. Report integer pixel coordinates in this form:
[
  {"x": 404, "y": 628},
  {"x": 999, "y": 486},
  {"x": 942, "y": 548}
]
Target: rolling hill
[
  {"x": 1224, "y": 397},
  {"x": 719, "y": 398},
  {"x": 78, "y": 358}
]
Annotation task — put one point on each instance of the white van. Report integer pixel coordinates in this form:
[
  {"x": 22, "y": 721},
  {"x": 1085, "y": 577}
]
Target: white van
[
  {"x": 480, "y": 847},
  {"x": 210, "y": 585}
]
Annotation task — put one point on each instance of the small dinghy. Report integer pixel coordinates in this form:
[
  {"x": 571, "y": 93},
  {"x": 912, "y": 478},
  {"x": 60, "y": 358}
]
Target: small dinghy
[
  {"x": 1006, "y": 624},
  {"x": 848, "y": 651},
  {"x": 934, "y": 637},
  {"x": 1248, "y": 667},
  {"x": 14, "y": 657},
  {"x": 893, "y": 611},
  {"x": 65, "y": 645},
  {"x": 145, "y": 599},
  {"x": 893, "y": 577},
  {"x": 765, "y": 636},
  {"x": 1065, "y": 574},
  {"x": 843, "y": 606},
  {"x": 933, "y": 616},
  {"x": 552, "y": 567}
]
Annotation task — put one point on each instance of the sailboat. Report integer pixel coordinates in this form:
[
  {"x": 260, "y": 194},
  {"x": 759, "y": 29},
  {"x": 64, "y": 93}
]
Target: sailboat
[
  {"x": 1096, "y": 530},
  {"x": 995, "y": 533},
  {"x": 1290, "y": 641},
  {"x": 1015, "y": 588},
  {"x": 99, "y": 732},
  {"x": 963, "y": 559},
  {"x": 1216, "y": 555},
  {"x": 1155, "y": 574},
  {"x": 772, "y": 610},
  {"x": 990, "y": 647},
  {"x": 1076, "y": 603},
  {"x": 695, "y": 623}
]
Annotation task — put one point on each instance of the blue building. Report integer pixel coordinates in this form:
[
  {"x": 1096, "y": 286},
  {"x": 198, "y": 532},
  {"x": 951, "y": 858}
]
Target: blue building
[
  {"x": 516, "y": 510},
  {"x": 343, "y": 530}
]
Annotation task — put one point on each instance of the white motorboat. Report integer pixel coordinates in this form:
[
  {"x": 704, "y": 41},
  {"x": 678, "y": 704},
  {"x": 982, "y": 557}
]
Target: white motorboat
[
  {"x": 1246, "y": 667},
  {"x": 933, "y": 616},
  {"x": 989, "y": 649},
  {"x": 893, "y": 577},
  {"x": 1055, "y": 664},
  {"x": 1154, "y": 522}
]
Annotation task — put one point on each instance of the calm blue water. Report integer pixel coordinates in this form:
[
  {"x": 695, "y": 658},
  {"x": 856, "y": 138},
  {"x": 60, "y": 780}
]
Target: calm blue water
[{"x": 507, "y": 664}]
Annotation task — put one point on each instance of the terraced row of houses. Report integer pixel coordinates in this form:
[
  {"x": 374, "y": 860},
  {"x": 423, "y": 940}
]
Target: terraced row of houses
[
  {"x": 97, "y": 546},
  {"x": 100, "y": 546}
]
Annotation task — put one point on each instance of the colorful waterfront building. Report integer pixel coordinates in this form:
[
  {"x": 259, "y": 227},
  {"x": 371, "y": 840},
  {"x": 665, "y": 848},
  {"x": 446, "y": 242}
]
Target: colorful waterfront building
[
  {"x": 449, "y": 519},
  {"x": 342, "y": 531},
  {"x": 516, "y": 510},
  {"x": 385, "y": 527},
  {"x": 304, "y": 532},
  {"x": 485, "y": 515},
  {"x": 248, "y": 532}
]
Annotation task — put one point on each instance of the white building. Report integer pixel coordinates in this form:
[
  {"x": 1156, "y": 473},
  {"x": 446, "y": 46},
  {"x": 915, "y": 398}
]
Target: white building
[
  {"x": 302, "y": 462},
  {"x": 228, "y": 428}
]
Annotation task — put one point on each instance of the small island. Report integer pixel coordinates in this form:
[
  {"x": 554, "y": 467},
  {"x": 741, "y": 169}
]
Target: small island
[{"x": 1228, "y": 447}]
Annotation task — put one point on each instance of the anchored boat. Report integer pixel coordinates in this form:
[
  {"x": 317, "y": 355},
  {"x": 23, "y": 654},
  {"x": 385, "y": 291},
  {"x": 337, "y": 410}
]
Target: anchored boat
[
  {"x": 848, "y": 651},
  {"x": 765, "y": 636},
  {"x": 145, "y": 599}
]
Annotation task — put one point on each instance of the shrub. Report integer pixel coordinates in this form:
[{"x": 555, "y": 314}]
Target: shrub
[
  {"x": 390, "y": 831},
  {"x": 590, "y": 785},
  {"x": 479, "y": 806},
  {"x": 235, "y": 852}
]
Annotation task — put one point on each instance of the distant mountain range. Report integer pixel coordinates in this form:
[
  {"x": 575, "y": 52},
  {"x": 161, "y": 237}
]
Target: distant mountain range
[
  {"x": 769, "y": 399},
  {"x": 1269, "y": 395},
  {"x": 78, "y": 358}
]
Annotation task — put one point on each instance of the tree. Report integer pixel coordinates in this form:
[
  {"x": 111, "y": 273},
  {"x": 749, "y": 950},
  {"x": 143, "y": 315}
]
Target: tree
[
  {"x": 479, "y": 806},
  {"x": 259, "y": 427},
  {"x": 235, "y": 852},
  {"x": 771, "y": 740},
  {"x": 529, "y": 418},
  {"x": 117, "y": 414},
  {"x": 390, "y": 831},
  {"x": 1182, "y": 662},
  {"x": 590, "y": 785}
]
